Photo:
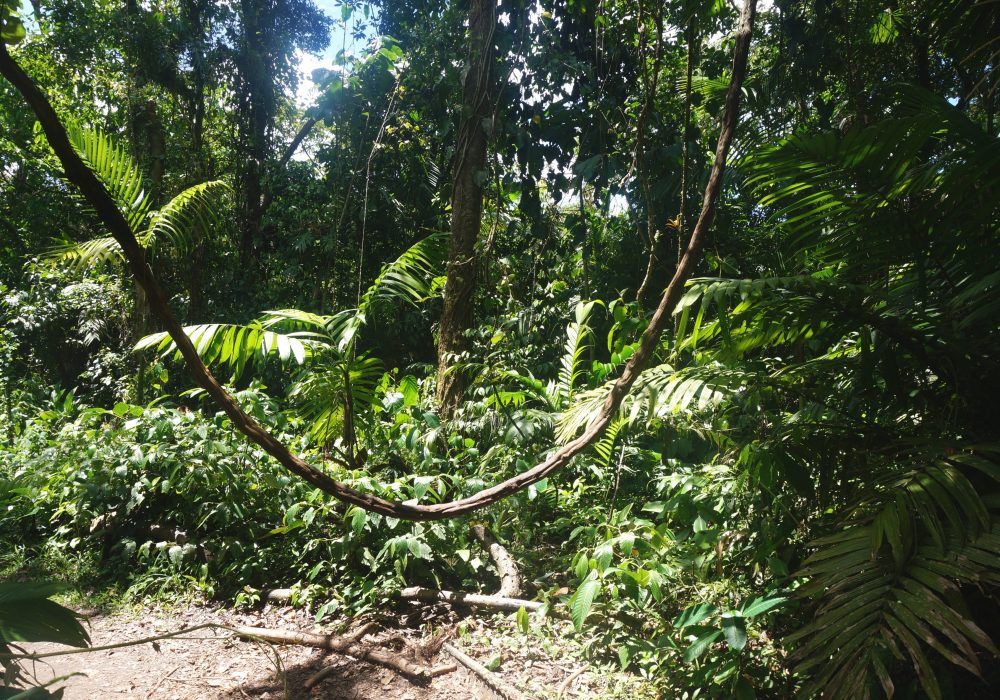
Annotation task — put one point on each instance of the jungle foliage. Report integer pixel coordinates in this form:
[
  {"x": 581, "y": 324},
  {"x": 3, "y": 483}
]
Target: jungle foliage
[{"x": 800, "y": 496}]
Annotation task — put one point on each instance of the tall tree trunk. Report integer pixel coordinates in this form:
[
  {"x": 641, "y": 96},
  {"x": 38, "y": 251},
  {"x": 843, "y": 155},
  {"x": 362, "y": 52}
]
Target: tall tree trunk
[
  {"x": 257, "y": 111},
  {"x": 467, "y": 203},
  {"x": 199, "y": 71},
  {"x": 686, "y": 148},
  {"x": 656, "y": 264}
]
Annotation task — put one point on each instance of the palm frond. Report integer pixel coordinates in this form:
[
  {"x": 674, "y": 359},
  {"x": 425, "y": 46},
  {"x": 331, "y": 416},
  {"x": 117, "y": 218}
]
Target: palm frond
[
  {"x": 187, "y": 218},
  {"x": 891, "y": 178},
  {"x": 80, "y": 256},
  {"x": 606, "y": 445},
  {"x": 579, "y": 339},
  {"x": 237, "y": 346},
  {"x": 116, "y": 169},
  {"x": 323, "y": 394},
  {"x": 659, "y": 392},
  {"x": 409, "y": 278},
  {"x": 887, "y": 587}
]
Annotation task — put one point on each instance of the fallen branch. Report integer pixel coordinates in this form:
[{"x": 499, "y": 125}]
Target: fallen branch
[
  {"x": 443, "y": 669},
  {"x": 318, "y": 677},
  {"x": 331, "y": 642},
  {"x": 501, "y": 687},
  {"x": 510, "y": 577},
  {"x": 346, "y": 644},
  {"x": 152, "y": 691},
  {"x": 326, "y": 671},
  {"x": 510, "y": 582},
  {"x": 494, "y": 602},
  {"x": 564, "y": 686}
]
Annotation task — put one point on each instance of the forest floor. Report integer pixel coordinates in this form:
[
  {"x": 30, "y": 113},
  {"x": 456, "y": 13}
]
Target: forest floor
[{"x": 212, "y": 664}]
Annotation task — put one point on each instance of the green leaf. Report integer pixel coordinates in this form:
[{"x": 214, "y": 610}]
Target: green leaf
[
  {"x": 419, "y": 549},
  {"x": 701, "y": 644},
  {"x": 358, "y": 520},
  {"x": 26, "y": 615},
  {"x": 693, "y": 615},
  {"x": 624, "y": 656},
  {"x": 582, "y": 601},
  {"x": 734, "y": 627},
  {"x": 758, "y": 606},
  {"x": 523, "y": 621},
  {"x": 13, "y": 31}
]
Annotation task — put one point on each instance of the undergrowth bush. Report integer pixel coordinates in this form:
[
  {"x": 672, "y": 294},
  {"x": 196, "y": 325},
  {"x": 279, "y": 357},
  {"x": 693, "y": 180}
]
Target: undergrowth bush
[{"x": 167, "y": 498}]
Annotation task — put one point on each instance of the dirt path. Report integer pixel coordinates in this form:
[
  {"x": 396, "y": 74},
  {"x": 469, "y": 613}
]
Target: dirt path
[{"x": 215, "y": 666}]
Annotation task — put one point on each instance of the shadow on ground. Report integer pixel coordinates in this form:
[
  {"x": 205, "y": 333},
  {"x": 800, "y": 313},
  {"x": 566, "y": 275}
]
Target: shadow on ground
[{"x": 356, "y": 680}]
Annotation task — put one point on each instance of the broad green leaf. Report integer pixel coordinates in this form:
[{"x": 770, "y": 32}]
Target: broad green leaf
[
  {"x": 26, "y": 615},
  {"x": 758, "y": 606},
  {"x": 700, "y": 645},
  {"x": 582, "y": 600},
  {"x": 523, "y": 621},
  {"x": 734, "y": 627},
  {"x": 694, "y": 614}
]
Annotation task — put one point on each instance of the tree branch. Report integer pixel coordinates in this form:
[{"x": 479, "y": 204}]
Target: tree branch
[{"x": 286, "y": 156}]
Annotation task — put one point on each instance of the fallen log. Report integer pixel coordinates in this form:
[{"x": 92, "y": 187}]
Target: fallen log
[
  {"x": 494, "y": 602},
  {"x": 510, "y": 577},
  {"x": 346, "y": 644},
  {"x": 501, "y": 687},
  {"x": 278, "y": 595},
  {"x": 510, "y": 583}
]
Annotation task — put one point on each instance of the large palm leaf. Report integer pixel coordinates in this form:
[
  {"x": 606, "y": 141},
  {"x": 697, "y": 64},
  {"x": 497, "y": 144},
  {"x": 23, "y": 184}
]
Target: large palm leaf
[
  {"x": 888, "y": 588},
  {"x": 336, "y": 380},
  {"x": 181, "y": 223}
]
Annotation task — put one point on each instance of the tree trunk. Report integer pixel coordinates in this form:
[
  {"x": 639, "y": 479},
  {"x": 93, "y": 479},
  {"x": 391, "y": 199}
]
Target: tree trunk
[
  {"x": 257, "y": 111},
  {"x": 656, "y": 264},
  {"x": 466, "y": 203}
]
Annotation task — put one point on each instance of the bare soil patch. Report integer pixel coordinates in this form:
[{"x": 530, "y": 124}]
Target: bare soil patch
[{"x": 213, "y": 665}]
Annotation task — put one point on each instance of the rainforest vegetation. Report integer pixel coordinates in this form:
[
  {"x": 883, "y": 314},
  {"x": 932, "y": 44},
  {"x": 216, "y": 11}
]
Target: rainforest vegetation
[{"x": 692, "y": 307}]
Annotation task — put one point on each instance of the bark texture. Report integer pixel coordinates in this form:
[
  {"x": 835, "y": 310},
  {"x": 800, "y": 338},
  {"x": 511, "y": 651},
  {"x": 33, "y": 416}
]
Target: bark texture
[
  {"x": 95, "y": 193},
  {"x": 457, "y": 316},
  {"x": 510, "y": 576}
]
